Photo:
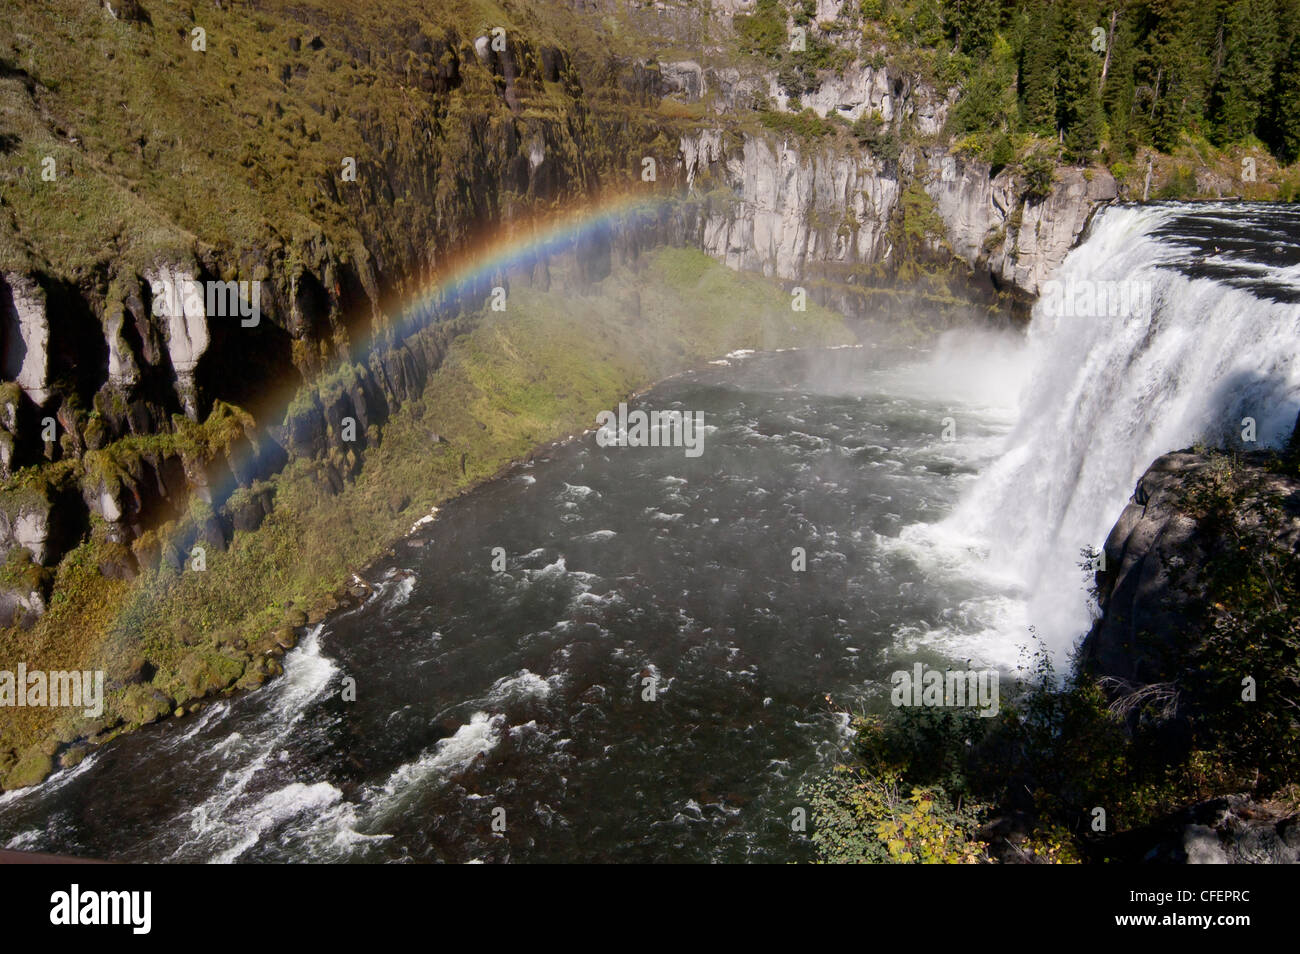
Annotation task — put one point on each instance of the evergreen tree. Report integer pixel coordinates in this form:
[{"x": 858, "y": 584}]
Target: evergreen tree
[
  {"x": 1119, "y": 94},
  {"x": 1250, "y": 47},
  {"x": 1285, "y": 138},
  {"x": 1078, "y": 110},
  {"x": 972, "y": 24},
  {"x": 1038, "y": 62},
  {"x": 1178, "y": 66}
]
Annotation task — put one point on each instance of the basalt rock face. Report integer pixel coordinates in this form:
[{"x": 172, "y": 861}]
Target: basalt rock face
[
  {"x": 1150, "y": 591},
  {"x": 794, "y": 207},
  {"x": 779, "y": 210},
  {"x": 991, "y": 222},
  {"x": 1147, "y": 590}
]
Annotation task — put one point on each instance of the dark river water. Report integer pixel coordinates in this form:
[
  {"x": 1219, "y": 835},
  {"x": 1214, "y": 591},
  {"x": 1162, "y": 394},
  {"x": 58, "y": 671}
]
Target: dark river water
[{"x": 501, "y": 715}]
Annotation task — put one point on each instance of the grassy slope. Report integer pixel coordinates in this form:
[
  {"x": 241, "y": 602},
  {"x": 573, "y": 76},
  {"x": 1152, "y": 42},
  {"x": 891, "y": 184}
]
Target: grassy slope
[
  {"x": 142, "y": 127},
  {"x": 515, "y": 380}
]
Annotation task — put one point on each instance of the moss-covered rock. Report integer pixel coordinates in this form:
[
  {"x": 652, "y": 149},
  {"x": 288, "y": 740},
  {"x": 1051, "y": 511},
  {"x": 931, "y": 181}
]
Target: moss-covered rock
[
  {"x": 33, "y": 767},
  {"x": 142, "y": 704},
  {"x": 202, "y": 673}
]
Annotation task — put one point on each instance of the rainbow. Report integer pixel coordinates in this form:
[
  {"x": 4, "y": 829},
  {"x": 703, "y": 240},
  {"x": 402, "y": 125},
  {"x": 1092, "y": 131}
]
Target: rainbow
[
  {"x": 467, "y": 274},
  {"x": 519, "y": 242}
]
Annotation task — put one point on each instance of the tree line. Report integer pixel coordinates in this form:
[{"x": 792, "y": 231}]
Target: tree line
[{"x": 1127, "y": 74}]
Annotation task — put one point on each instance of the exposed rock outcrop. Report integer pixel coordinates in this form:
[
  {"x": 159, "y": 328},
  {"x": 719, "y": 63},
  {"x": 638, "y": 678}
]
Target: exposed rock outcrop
[
  {"x": 179, "y": 300},
  {"x": 26, "y": 335},
  {"x": 991, "y": 223},
  {"x": 1236, "y": 829},
  {"x": 781, "y": 209},
  {"x": 787, "y": 207},
  {"x": 1150, "y": 591}
]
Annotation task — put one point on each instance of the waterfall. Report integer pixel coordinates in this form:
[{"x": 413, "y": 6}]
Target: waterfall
[{"x": 1168, "y": 325}]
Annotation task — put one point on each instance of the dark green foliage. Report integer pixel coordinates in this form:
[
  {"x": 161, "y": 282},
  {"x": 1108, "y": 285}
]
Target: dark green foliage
[
  {"x": 1249, "y": 58},
  {"x": 806, "y": 123},
  {"x": 1077, "y": 103},
  {"x": 1038, "y": 62},
  {"x": 1285, "y": 133},
  {"x": 762, "y": 32},
  {"x": 1113, "y": 74},
  {"x": 1001, "y": 153},
  {"x": 1038, "y": 170},
  {"x": 981, "y": 107},
  {"x": 872, "y": 132},
  {"x": 925, "y": 745},
  {"x": 972, "y": 24},
  {"x": 1249, "y": 623}
]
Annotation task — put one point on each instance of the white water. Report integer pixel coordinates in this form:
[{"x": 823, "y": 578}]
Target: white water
[{"x": 1107, "y": 395}]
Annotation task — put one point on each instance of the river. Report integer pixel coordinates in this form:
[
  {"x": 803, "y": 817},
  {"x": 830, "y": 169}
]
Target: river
[{"x": 618, "y": 653}]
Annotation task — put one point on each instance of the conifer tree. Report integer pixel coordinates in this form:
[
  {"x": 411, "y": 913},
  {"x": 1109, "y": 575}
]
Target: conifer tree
[
  {"x": 1038, "y": 63},
  {"x": 1244, "y": 85},
  {"x": 1285, "y": 137},
  {"x": 973, "y": 24},
  {"x": 1078, "y": 110}
]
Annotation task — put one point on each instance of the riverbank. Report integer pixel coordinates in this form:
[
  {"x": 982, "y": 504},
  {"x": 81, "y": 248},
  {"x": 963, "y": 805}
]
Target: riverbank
[{"x": 510, "y": 382}]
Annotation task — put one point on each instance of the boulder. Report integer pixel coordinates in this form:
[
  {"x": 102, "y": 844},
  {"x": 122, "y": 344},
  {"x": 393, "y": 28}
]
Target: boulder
[
  {"x": 1236, "y": 829},
  {"x": 1149, "y": 593}
]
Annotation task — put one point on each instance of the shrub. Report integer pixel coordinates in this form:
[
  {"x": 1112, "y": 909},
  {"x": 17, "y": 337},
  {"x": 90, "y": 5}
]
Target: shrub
[{"x": 859, "y": 818}]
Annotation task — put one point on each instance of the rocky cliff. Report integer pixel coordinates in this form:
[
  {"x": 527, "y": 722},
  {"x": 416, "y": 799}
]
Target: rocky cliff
[
  {"x": 1191, "y": 516},
  {"x": 796, "y": 206},
  {"x": 1195, "y": 651}
]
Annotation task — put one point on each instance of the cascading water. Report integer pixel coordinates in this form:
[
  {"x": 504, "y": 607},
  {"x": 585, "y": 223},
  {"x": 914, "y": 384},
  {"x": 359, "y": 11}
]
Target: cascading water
[{"x": 1169, "y": 325}]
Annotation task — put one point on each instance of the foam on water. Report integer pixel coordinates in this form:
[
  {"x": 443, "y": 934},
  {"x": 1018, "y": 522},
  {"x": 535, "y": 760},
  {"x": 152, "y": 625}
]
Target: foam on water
[
  {"x": 221, "y": 823},
  {"x": 449, "y": 756},
  {"x": 1106, "y": 395}
]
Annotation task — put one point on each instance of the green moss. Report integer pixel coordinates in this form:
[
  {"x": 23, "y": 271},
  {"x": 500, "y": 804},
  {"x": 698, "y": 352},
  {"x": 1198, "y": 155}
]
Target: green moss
[
  {"x": 918, "y": 222},
  {"x": 805, "y": 123},
  {"x": 33, "y": 766},
  {"x": 140, "y": 704},
  {"x": 22, "y": 574},
  {"x": 203, "y": 673}
]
